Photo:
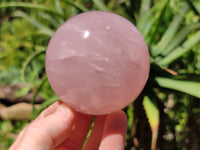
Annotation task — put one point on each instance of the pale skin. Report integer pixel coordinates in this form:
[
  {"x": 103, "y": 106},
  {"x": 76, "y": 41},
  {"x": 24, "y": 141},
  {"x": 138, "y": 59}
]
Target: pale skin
[{"x": 59, "y": 127}]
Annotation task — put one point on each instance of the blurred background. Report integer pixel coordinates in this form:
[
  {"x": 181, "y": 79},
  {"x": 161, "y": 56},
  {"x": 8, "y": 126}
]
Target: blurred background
[{"x": 167, "y": 113}]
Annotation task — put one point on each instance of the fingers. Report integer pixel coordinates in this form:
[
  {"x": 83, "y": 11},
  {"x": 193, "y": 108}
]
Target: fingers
[
  {"x": 49, "y": 130},
  {"x": 114, "y": 132},
  {"x": 78, "y": 134},
  {"x": 52, "y": 108},
  {"x": 94, "y": 139},
  {"x": 46, "y": 112},
  {"x": 57, "y": 125},
  {"x": 110, "y": 131}
]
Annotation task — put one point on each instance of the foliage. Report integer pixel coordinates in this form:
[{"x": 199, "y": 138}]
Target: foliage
[
  {"x": 9, "y": 132},
  {"x": 171, "y": 30}
]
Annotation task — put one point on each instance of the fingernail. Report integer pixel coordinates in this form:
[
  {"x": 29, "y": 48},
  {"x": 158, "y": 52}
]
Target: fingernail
[{"x": 64, "y": 110}]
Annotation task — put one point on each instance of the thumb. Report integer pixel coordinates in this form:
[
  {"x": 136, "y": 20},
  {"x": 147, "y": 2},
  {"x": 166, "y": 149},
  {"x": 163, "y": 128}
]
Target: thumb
[{"x": 47, "y": 132}]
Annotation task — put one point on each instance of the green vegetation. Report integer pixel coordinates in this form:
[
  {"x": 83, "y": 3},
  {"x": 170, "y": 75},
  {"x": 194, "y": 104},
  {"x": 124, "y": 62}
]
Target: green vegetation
[{"x": 168, "y": 109}]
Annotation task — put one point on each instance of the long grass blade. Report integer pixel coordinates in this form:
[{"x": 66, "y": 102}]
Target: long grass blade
[
  {"x": 180, "y": 51},
  {"x": 50, "y": 19},
  {"x": 144, "y": 15},
  {"x": 180, "y": 37},
  {"x": 100, "y": 5},
  {"x": 151, "y": 28},
  {"x": 130, "y": 115},
  {"x": 152, "y": 113},
  {"x": 47, "y": 103},
  {"x": 170, "y": 32},
  {"x": 29, "y": 5},
  {"x": 28, "y": 61},
  {"x": 188, "y": 87},
  {"x": 42, "y": 28},
  {"x": 76, "y": 4},
  {"x": 42, "y": 81},
  {"x": 193, "y": 8},
  {"x": 59, "y": 9}
]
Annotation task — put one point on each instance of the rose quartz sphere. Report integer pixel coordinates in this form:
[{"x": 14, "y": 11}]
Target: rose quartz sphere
[{"x": 97, "y": 62}]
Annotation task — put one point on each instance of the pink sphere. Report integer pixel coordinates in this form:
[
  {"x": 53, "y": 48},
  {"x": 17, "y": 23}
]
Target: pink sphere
[{"x": 97, "y": 62}]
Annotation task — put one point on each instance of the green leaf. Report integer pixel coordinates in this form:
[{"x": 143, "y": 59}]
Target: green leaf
[
  {"x": 180, "y": 37},
  {"x": 154, "y": 24},
  {"x": 59, "y": 9},
  {"x": 152, "y": 113},
  {"x": 100, "y": 5},
  {"x": 180, "y": 51},
  {"x": 29, "y": 5},
  {"x": 50, "y": 19},
  {"x": 23, "y": 91},
  {"x": 28, "y": 60},
  {"x": 76, "y": 4},
  {"x": 38, "y": 88},
  {"x": 188, "y": 87},
  {"x": 47, "y": 103},
  {"x": 130, "y": 116},
  {"x": 42, "y": 28},
  {"x": 193, "y": 7},
  {"x": 144, "y": 15},
  {"x": 170, "y": 32},
  {"x": 58, "y": 6}
]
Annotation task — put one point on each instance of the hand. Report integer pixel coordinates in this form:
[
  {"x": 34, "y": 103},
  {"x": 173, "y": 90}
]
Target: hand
[{"x": 60, "y": 127}]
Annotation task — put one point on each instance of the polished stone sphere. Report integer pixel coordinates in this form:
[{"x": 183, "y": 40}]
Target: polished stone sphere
[{"x": 97, "y": 62}]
